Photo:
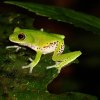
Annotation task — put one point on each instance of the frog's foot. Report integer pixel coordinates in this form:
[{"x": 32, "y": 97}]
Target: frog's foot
[
  {"x": 28, "y": 66},
  {"x": 30, "y": 59},
  {"x": 55, "y": 66},
  {"x": 48, "y": 67}
]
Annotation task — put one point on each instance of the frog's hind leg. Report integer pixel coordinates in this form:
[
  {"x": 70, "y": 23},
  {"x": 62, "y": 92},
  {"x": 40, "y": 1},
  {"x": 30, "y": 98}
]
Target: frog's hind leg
[
  {"x": 66, "y": 59},
  {"x": 63, "y": 59},
  {"x": 58, "y": 50}
]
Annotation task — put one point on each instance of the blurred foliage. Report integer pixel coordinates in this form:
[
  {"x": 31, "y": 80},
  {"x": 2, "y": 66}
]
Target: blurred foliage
[
  {"x": 17, "y": 83},
  {"x": 78, "y": 19}
]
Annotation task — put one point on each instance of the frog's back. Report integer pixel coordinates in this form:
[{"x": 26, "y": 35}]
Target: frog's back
[
  {"x": 48, "y": 35},
  {"x": 42, "y": 37},
  {"x": 59, "y": 35},
  {"x": 43, "y": 33}
]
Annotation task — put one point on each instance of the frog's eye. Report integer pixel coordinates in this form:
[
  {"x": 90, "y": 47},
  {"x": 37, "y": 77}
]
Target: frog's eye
[{"x": 21, "y": 36}]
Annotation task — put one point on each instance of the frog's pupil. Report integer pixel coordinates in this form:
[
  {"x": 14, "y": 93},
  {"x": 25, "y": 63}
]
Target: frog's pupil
[{"x": 21, "y": 36}]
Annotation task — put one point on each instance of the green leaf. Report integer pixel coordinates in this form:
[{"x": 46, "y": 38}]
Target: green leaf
[
  {"x": 66, "y": 96},
  {"x": 29, "y": 95},
  {"x": 88, "y": 22}
]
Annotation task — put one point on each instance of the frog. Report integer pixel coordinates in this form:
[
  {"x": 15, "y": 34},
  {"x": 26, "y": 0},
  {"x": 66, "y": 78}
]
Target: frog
[{"x": 44, "y": 43}]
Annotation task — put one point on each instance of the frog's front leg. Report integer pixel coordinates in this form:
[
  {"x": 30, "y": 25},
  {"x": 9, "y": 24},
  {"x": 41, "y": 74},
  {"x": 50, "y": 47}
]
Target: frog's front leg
[
  {"x": 63, "y": 59},
  {"x": 34, "y": 62}
]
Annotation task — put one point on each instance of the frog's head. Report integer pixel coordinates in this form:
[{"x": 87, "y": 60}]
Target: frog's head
[{"x": 22, "y": 36}]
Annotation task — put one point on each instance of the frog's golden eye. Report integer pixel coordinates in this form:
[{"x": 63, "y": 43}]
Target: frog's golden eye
[{"x": 21, "y": 36}]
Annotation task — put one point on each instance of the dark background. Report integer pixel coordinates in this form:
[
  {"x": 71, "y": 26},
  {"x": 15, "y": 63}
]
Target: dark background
[{"x": 84, "y": 76}]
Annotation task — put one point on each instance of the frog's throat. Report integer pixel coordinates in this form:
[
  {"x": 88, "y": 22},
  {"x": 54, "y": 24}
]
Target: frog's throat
[{"x": 31, "y": 46}]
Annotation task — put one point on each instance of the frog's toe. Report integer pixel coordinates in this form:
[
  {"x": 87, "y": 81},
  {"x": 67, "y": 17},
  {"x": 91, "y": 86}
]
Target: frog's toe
[
  {"x": 31, "y": 68},
  {"x": 30, "y": 59},
  {"x": 48, "y": 67},
  {"x": 59, "y": 69},
  {"x": 25, "y": 66},
  {"x": 28, "y": 66},
  {"x": 54, "y": 66}
]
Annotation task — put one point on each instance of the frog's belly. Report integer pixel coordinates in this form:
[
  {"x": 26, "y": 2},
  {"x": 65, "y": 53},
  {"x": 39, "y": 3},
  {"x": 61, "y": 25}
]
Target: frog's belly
[
  {"x": 45, "y": 50},
  {"x": 48, "y": 49}
]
